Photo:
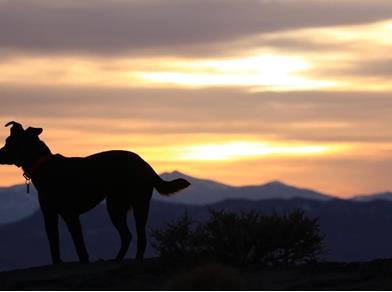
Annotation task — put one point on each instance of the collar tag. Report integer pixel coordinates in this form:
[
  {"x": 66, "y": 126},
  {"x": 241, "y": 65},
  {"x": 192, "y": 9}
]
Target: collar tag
[
  {"x": 28, "y": 186},
  {"x": 28, "y": 181}
]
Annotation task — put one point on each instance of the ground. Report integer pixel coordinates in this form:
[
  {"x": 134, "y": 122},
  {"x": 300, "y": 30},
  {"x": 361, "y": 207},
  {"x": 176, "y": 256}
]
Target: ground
[{"x": 156, "y": 274}]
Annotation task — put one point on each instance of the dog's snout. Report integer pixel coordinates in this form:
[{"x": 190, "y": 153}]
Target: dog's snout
[
  {"x": 4, "y": 157},
  {"x": 1, "y": 155}
]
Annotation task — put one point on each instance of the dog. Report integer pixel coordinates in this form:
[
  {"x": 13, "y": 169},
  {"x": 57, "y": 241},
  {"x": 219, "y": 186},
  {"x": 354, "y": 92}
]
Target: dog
[{"x": 70, "y": 186}]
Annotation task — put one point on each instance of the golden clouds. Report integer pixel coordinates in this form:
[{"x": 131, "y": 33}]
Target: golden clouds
[
  {"x": 266, "y": 71},
  {"x": 351, "y": 57},
  {"x": 283, "y": 61}
]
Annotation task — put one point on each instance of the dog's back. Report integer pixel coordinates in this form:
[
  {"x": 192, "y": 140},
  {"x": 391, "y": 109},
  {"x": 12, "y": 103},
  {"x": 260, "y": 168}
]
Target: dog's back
[{"x": 83, "y": 182}]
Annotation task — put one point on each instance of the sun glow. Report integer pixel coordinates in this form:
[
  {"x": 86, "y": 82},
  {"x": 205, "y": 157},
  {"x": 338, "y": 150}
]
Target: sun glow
[
  {"x": 243, "y": 150},
  {"x": 267, "y": 71}
]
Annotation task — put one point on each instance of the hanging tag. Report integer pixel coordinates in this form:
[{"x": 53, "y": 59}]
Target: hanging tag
[
  {"x": 28, "y": 186},
  {"x": 28, "y": 181}
]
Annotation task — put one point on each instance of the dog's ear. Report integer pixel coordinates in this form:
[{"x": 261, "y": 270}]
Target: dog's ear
[
  {"x": 16, "y": 128},
  {"x": 34, "y": 131}
]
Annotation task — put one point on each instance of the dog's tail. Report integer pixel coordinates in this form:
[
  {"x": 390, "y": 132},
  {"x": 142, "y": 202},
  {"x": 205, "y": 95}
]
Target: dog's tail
[{"x": 167, "y": 188}]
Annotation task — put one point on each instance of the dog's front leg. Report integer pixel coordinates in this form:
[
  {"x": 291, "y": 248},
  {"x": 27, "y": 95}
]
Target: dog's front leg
[
  {"x": 52, "y": 230},
  {"x": 75, "y": 229}
]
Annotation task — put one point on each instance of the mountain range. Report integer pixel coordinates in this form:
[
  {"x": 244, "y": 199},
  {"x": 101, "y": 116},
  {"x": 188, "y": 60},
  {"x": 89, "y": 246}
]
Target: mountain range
[
  {"x": 16, "y": 204},
  {"x": 203, "y": 191}
]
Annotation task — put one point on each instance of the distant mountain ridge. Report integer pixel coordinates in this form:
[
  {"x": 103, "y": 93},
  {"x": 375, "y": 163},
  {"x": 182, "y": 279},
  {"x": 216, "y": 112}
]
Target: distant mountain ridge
[
  {"x": 16, "y": 204},
  {"x": 203, "y": 192},
  {"x": 386, "y": 196}
]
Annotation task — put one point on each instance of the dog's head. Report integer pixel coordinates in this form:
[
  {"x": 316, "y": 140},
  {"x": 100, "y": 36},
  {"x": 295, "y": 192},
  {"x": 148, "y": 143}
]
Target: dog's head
[{"x": 22, "y": 146}]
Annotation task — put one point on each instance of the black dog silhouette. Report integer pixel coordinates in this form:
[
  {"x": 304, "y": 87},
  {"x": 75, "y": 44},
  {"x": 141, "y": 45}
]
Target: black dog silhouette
[{"x": 71, "y": 186}]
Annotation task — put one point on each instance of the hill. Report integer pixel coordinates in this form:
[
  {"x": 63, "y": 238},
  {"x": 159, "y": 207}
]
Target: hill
[
  {"x": 15, "y": 204},
  {"x": 154, "y": 274},
  {"x": 385, "y": 196}
]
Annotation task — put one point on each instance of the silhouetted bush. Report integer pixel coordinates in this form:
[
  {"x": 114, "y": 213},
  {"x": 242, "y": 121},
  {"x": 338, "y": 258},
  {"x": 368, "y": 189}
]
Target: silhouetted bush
[
  {"x": 242, "y": 238},
  {"x": 179, "y": 239}
]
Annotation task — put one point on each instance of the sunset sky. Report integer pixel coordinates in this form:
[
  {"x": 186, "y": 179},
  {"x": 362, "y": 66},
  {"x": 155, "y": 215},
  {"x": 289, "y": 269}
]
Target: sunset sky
[{"x": 239, "y": 91}]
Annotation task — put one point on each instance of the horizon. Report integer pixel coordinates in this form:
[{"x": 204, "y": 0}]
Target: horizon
[{"x": 241, "y": 92}]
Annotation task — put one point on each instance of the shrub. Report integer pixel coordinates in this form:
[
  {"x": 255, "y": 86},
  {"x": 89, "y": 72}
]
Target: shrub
[
  {"x": 179, "y": 239},
  {"x": 242, "y": 238}
]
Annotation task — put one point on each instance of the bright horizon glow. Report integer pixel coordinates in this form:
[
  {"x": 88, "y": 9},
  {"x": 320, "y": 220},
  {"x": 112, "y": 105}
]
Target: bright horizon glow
[
  {"x": 238, "y": 150},
  {"x": 264, "y": 70}
]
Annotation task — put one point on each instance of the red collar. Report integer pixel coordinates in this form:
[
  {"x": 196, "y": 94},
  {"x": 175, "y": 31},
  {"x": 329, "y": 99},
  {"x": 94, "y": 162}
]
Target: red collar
[{"x": 36, "y": 166}]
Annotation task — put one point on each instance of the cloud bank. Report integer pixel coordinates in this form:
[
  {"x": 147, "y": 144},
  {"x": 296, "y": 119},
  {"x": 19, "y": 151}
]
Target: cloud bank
[{"x": 165, "y": 27}]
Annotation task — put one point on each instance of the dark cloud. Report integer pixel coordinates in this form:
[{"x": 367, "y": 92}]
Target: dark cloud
[
  {"x": 170, "y": 27},
  {"x": 297, "y": 44},
  {"x": 368, "y": 70},
  {"x": 381, "y": 67}
]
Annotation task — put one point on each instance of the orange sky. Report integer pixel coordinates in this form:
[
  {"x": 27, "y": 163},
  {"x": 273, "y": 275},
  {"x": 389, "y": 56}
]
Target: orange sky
[{"x": 242, "y": 92}]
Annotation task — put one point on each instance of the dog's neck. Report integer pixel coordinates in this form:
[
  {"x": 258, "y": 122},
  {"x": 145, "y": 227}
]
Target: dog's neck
[
  {"x": 31, "y": 168},
  {"x": 35, "y": 158}
]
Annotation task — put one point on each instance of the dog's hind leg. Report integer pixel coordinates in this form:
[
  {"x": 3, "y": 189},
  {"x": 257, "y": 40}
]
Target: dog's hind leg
[
  {"x": 140, "y": 211},
  {"x": 118, "y": 214}
]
